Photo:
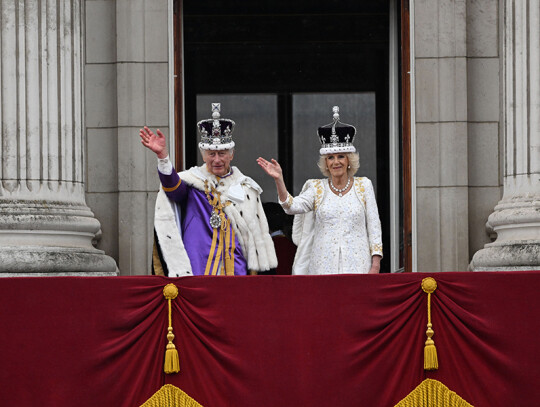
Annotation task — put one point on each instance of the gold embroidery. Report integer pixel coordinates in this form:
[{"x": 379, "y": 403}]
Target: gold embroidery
[
  {"x": 289, "y": 201},
  {"x": 376, "y": 249},
  {"x": 318, "y": 192},
  {"x": 360, "y": 189}
]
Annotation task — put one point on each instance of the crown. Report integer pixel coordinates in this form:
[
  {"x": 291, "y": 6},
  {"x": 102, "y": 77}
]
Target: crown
[
  {"x": 216, "y": 133},
  {"x": 336, "y": 137}
]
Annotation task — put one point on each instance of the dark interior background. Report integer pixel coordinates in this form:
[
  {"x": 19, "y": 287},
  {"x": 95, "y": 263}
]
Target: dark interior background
[{"x": 286, "y": 47}]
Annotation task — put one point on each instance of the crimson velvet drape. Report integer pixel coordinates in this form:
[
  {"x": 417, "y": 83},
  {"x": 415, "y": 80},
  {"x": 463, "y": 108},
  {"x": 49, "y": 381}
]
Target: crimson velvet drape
[{"x": 269, "y": 340}]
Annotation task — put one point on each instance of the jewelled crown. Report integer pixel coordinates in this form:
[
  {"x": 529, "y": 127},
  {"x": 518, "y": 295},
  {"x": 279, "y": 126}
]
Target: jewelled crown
[
  {"x": 216, "y": 133},
  {"x": 336, "y": 137}
]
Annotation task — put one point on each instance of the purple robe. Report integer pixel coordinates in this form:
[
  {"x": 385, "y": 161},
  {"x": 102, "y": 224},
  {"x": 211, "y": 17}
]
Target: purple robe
[{"x": 195, "y": 227}]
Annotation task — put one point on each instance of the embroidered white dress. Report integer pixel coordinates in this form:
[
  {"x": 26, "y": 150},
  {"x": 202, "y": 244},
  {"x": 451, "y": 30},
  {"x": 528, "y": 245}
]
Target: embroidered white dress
[{"x": 335, "y": 235}]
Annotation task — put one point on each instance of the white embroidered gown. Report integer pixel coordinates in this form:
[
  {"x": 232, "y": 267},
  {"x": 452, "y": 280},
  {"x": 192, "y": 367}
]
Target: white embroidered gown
[{"x": 346, "y": 231}]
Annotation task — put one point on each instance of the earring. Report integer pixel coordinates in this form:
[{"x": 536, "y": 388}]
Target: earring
[{"x": 349, "y": 166}]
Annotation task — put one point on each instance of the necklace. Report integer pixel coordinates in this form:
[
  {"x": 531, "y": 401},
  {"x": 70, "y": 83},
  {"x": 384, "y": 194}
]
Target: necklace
[{"x": 340, "y": 190}]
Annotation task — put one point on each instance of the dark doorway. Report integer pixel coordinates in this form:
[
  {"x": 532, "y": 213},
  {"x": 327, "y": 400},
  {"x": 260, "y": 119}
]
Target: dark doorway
[{"x": 289, "y": 52}]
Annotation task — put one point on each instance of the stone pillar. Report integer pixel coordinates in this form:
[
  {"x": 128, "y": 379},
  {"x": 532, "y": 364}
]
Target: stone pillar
[
  {"x": 45, "y": 226},
  {"x": 441, "y": 134},
  {"x": 516, "y": 218}
]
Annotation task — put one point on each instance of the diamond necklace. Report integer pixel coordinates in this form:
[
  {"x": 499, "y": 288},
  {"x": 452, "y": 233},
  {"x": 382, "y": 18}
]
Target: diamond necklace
[{"x": 340, "y": 190}]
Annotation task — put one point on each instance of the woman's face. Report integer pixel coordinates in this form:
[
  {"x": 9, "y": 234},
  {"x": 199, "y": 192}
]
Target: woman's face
[{"x": 337, "y": 164}]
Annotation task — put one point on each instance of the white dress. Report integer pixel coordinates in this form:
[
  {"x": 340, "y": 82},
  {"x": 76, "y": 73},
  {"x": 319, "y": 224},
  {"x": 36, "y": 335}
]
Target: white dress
[{"x": 335, "y": 235}]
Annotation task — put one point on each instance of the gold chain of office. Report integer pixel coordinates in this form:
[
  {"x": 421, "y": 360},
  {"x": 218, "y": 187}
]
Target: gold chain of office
[{"x": 217, "y": 218}]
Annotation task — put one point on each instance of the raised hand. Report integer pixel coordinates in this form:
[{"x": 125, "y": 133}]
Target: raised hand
[
  {"x": 271, "y": 168},
  {"x": 155, "y": 142},
  {"x": 274, "y": 170}
]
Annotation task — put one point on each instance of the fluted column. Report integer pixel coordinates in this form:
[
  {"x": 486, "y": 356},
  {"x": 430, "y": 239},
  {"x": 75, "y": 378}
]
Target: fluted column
[
  {"x": 516, "y": 218},
  {"x": 45, "y": 225}
]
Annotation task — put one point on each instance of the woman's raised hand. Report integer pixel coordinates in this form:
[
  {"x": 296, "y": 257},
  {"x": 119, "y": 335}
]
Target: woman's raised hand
[
  {"x": 274, "y": 170},
  {"x": 271, "y": 168},
  {"x": 155, "y": 142}
]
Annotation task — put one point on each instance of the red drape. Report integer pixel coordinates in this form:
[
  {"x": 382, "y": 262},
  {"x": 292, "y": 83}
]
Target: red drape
[{"x": 269, "y": 341}]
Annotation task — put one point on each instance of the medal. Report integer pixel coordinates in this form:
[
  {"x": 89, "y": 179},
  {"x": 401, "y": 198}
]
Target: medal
[{"x": 215, "y": 220}]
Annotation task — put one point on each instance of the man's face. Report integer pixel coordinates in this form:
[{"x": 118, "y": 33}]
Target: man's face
[{"x": 218, "y": 162}]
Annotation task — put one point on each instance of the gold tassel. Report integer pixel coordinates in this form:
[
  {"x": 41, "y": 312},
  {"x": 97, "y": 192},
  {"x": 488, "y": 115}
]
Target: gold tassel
[
  {"x": 429, "y": 285},
  {"x": 172, "y": 361}
]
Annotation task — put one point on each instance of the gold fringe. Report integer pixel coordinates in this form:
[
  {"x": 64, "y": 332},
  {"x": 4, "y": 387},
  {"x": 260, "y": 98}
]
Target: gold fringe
[
  {"x": 170, "y": 396},
  {"x": 432, "y": 393},
  {"x": 172, "y": 361},
  {"x": 429, "y": 285}
]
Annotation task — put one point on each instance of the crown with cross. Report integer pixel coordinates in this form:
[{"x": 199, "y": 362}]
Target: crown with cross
[
  {"x": 216, "y": 133},
  {"x": 336, "y": 137}
]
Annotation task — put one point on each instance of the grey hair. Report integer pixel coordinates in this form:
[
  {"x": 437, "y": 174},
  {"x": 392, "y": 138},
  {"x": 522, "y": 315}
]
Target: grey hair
[
  {"x": 354, "y": 162},
  {"x": 230, "y": 150}
]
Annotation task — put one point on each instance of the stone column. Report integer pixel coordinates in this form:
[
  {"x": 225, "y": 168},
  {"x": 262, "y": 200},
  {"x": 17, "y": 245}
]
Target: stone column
[
  {"x": 516, "y": 218},
  {"x": 45, "y": 226}
]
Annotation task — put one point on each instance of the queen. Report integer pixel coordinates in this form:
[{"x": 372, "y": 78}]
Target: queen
[{"x": 336, "y": 227}]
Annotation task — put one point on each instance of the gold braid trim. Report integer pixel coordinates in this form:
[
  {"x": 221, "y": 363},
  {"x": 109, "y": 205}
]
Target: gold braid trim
[
  {"x": 170, "y": 396},
  {"x": 211, "y": 254},
  {"x": 166, "y": 189},
  {"x": 432, "y": 393}
]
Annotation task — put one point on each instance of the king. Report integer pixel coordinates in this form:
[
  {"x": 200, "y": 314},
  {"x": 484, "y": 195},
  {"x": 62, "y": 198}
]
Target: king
[{"x": 209, "y": 220}]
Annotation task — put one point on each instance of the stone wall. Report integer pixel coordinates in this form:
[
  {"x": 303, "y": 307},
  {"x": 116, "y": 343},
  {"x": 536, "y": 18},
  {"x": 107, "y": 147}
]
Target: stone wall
[
  {"x": 440, "y": 58},
  {"x": 126, "y": 87}
]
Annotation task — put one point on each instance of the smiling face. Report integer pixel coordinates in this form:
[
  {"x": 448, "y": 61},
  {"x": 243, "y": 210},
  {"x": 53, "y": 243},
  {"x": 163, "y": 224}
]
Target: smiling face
[
  {"x": 218, "y": 162},
  {"x": 337, "y": 164}
]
